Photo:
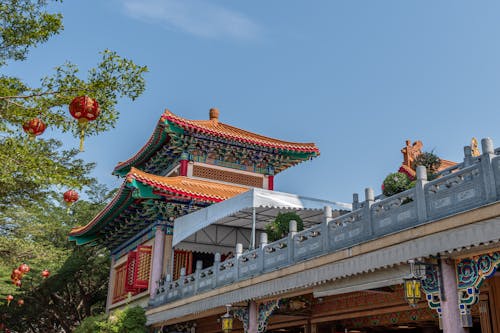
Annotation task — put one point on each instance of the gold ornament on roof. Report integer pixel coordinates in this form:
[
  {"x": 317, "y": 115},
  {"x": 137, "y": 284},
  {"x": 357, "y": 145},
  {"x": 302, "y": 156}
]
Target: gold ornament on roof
[{"x": 474, "y": 147}]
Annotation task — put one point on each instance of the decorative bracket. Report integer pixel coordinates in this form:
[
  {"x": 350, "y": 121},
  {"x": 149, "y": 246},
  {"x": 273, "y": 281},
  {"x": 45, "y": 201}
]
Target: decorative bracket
[
  {"x": 470, "y": 273},
  {"x": 242, "y": 315},
  {"x": 265, "y": 311}
]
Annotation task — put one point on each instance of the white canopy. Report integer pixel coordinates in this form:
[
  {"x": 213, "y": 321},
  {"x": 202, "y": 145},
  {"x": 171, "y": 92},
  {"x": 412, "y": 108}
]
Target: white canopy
[{"x": 239, "y": 212}]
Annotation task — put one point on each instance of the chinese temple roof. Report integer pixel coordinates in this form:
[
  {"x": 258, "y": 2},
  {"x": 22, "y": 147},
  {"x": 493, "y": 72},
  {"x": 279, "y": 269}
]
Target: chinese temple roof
[
  {"x": 216, "y": 128},
  {"x": 143, "y": 198},
  {"x": 174, "y": 135},
  {"x": 202, "y": 190}
]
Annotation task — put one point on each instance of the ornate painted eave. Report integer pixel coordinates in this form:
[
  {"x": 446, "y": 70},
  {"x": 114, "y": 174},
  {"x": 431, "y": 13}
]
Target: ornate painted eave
[
  {"x": 143, "y": 199},
  {"x": 218, "y": 129},
  {"x": 182, "y": 187},
  {"x": 175, "y": 135},
  {"x": 87, "y": 233}
]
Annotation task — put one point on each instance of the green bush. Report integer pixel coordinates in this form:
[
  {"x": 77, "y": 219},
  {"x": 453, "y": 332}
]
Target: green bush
[
  {"x": 430, "y": 161},
  {"x": 134, "y": 320},
  {"x": 90, "y": 324},
  {"x": 129, "y": 320},
  {"x": 279, "y": 228},
  {"x": 396, "y": 183}
]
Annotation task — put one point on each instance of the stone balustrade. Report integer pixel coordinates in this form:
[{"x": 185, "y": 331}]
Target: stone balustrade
[{"x": 467, "y": 185}]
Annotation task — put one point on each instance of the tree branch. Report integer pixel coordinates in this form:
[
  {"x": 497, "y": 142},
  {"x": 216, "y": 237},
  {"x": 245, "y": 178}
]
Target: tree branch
[{"x": 43, "y": 93}]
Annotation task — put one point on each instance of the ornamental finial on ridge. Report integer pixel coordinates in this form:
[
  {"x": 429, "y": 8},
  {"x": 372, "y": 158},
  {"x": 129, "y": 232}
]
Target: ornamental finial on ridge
[{"x": 214, "y": 115}]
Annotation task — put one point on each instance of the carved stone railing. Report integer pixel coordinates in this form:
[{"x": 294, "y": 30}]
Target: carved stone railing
[{"x": 470, "y": 184}]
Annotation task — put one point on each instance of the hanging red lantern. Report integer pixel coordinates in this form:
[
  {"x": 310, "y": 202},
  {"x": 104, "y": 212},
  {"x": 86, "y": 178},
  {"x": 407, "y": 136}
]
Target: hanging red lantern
[
  {"x": 34, "y": 127},
  {"x": 20, "y": 302},
  {"x": 9, "y": 299},
  {"x": 84, "y": 109},
  {"x": 17, "y": 273},
  {"x": 70, "y": 197},
  {"x": 24, "y": 268},
  {"x": 45, "y": 273},
  {"x": 18, "y": 283}
]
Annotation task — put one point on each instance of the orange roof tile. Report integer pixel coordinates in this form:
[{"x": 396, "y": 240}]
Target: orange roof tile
[
  {"x": 181, "y": 185},
  {"x": 216, "y": 128}
]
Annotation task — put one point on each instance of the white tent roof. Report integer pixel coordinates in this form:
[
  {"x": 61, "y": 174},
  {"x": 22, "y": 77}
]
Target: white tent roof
[{"x": 238, "y": 211}]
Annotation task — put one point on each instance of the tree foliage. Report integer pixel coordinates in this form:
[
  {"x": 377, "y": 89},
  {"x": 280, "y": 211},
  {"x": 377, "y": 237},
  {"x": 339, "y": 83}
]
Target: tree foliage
[
  {"x": 129, "y": 320},
  {"x": 280, "y": 227},
  {"x": 430, "y": 161},
  {"x": 25, "y": 23},
  {"x": 77, "y": 286},
  {"x": 34, "y": 222},
  {"x": 35, "y": 166}
]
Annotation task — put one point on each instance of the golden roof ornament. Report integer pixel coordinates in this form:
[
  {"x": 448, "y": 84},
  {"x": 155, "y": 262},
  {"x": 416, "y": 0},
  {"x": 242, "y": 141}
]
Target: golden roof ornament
[{"x": 474, "y": 147}]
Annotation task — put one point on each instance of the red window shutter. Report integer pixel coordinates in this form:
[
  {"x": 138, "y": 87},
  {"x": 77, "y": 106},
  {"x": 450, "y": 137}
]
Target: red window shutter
[
  {"x": 130, "y": 277},
  {"x": 142, "y": 267}
]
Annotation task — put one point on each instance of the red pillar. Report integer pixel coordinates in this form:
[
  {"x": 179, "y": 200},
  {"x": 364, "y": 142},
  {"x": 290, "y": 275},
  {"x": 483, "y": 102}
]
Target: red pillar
[
  {"x": 184, "y": 168},
  {"x": 270, "y": 182}
]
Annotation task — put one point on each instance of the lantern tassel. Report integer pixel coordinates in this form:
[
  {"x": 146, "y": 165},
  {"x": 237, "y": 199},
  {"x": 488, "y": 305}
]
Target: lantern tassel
[
  {"x": 83, "y": 124},
  {"x": 82, "y": 134}
]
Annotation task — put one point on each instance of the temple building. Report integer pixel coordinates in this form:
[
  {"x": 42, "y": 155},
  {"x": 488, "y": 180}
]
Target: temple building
[
  {"x": 186, "y": 231},
  {"x": 186, "y": 165}
]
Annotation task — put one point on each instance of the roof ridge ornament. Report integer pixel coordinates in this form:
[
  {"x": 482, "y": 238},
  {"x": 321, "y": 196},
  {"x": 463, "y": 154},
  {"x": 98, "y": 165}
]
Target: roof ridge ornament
[{"x": 214, "y": 115}]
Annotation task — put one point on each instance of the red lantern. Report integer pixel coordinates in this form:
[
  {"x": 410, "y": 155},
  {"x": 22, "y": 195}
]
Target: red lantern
[
  {"x": 20, "y": 302},
  {"x": 70, "y": 197},
  {"x": 9, "y": 299},
  {"x": 34, "y": 127},
  {"x": 17, "y": 273},
  {"x": 18, "y": 283},
  {"x": 24, "y": 268},
  {"x": 84, "y": 109},
  {"x": 45, "y": 273}
]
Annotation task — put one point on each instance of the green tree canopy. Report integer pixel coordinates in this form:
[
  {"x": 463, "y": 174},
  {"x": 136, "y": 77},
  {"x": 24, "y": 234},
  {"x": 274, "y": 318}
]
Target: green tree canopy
[
  {"x": 280, "y": 227},
  {"x": 33, "y": 220}
]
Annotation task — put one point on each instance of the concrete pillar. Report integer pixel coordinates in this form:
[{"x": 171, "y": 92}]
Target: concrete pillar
[
  {"x": 451, "y": 313},
  {"x": 111, "y": 284},
  {"x": 253, "y": 317},
  {"x": 238, "y": 250},
  {"x": 167, "y": 255},
  {"x": 420, "y": 194},
  {"x": 157, "y": 269},
  {"x": 355, "y": 201},
  {"x": 263, "y": 240},
  {"x": 467, "y": 156}
]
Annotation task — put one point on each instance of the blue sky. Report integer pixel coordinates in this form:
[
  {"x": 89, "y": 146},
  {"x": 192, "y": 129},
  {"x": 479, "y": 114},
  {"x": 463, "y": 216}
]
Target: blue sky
[{"x": 358, "y": 78}]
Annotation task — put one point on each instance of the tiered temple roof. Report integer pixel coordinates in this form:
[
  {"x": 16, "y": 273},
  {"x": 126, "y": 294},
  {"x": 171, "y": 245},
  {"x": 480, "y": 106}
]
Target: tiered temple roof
[
  {"x": 214, "y": 140},
  {"x": 148, "y": 196}
]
